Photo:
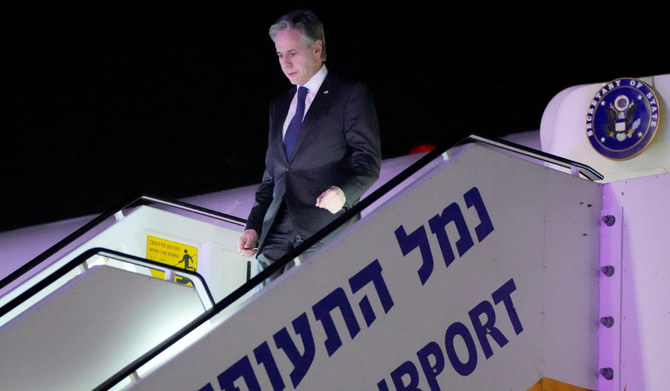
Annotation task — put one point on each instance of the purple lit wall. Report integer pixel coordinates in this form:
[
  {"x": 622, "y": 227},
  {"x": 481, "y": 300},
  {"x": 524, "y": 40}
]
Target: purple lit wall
[{"x": 636, "y": 244}]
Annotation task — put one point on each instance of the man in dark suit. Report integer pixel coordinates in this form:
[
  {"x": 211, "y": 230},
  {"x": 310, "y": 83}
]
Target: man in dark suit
[{"x": 332, "y": 159}]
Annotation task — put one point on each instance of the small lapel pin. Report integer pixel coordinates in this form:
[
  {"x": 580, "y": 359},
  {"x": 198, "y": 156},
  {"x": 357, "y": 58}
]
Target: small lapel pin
[{"x": 326, "y": 91}]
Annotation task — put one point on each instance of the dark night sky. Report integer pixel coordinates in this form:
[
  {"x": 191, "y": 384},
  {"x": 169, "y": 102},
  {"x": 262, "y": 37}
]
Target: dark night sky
[{"x": 106, "y": 102}]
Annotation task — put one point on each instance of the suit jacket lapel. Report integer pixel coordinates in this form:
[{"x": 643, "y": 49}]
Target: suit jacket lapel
[
  {"x": 319, "y": 104},
  {"x": 282, "y": 107}
]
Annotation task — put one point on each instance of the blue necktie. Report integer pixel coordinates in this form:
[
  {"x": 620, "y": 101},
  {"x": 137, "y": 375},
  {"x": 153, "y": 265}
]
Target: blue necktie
[{"x": 294, "y": 126}]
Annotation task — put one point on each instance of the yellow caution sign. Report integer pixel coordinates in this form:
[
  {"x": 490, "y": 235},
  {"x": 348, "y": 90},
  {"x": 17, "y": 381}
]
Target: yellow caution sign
[{"x": 172, "y": 253}]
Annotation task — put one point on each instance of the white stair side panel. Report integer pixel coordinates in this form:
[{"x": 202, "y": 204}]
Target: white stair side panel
[{"x": 483, "y": 321}]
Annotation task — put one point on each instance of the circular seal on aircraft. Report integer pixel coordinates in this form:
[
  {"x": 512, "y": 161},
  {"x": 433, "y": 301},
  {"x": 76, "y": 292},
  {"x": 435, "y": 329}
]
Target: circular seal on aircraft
[{"x": 623, "y": 118}]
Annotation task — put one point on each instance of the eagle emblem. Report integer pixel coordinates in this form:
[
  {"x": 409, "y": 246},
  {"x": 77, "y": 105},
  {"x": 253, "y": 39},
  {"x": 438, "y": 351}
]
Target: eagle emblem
[{"x": 623, "y": 118}]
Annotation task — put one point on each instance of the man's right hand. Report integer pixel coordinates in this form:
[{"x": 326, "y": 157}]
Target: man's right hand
[{"x": 247, "y": 243}]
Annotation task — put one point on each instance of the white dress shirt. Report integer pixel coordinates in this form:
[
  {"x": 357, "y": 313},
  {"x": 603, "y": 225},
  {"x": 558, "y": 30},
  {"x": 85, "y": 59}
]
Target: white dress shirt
[{"x": 313, "y": 86}]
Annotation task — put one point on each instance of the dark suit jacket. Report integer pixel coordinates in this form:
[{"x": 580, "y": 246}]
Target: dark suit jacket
[{"x": 338, "y": 145}]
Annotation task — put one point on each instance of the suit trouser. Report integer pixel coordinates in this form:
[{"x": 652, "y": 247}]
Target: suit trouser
[{"x": 280, "y": 240}]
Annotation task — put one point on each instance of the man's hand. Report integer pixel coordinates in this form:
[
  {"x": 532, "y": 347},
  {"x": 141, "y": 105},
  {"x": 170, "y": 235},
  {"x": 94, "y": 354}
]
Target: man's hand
[
  {"x": 247, "y": 243},
  {"x": 332, "y": 199}
]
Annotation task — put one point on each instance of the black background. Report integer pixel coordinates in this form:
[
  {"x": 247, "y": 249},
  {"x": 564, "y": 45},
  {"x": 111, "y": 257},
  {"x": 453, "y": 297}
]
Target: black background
[{"x": 106, "y": 101}]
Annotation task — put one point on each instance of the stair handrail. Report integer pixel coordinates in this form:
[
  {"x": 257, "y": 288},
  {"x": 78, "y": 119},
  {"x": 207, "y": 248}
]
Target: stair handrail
[
  {"x": 575, "y": 167},
  {"x": 135, "y": 201},
  {"x": 198, "y": 281}
]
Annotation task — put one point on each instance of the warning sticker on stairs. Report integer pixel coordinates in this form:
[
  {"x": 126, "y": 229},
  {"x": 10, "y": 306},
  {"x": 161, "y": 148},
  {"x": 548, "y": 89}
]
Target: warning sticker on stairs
[{"x": 171, "y": 253}]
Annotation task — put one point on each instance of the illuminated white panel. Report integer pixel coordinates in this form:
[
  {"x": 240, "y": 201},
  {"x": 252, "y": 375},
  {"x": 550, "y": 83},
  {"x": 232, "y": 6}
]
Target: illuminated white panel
[{"x": 90, "y": 328}]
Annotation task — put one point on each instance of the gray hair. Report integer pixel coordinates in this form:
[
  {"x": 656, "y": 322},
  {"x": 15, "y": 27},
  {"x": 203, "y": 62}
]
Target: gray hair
[{"x": 310, "y": 27}]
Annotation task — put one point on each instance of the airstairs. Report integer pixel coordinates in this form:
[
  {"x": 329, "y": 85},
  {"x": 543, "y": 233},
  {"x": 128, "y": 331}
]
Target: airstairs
[
  {"x": 483, "y": 266},
  {"x": 480, "y": 268}
]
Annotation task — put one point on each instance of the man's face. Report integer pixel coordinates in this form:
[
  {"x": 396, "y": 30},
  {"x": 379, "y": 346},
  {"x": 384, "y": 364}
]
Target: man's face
[{"x": 298, "y": 61}]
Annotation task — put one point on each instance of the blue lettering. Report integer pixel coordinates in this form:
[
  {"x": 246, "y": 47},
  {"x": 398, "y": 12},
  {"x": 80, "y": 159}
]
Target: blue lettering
[
  {"x": 467, "y": 367},
  {"x": 322, "y": 310},
  {"x": 430, "y": 371},
  {"x": 301, "y": 362},
  {"x": 243, "y": 372},
  {"x": 418, "y": 238},
  {"x": 431, "y": 358},
  {"x": 407, "y": 368},
  {"x": 438, "y": 226},
  {"x": 485, "y": 227},
  {"x": 487, "y": 328},
  {"x": 241, "y": 369},
  {"x": 371, "y": 273},
  {"x": 381, "y": 386},
  {"x": 264, "y": 357},
  {"x": 503, "y": 294}
]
